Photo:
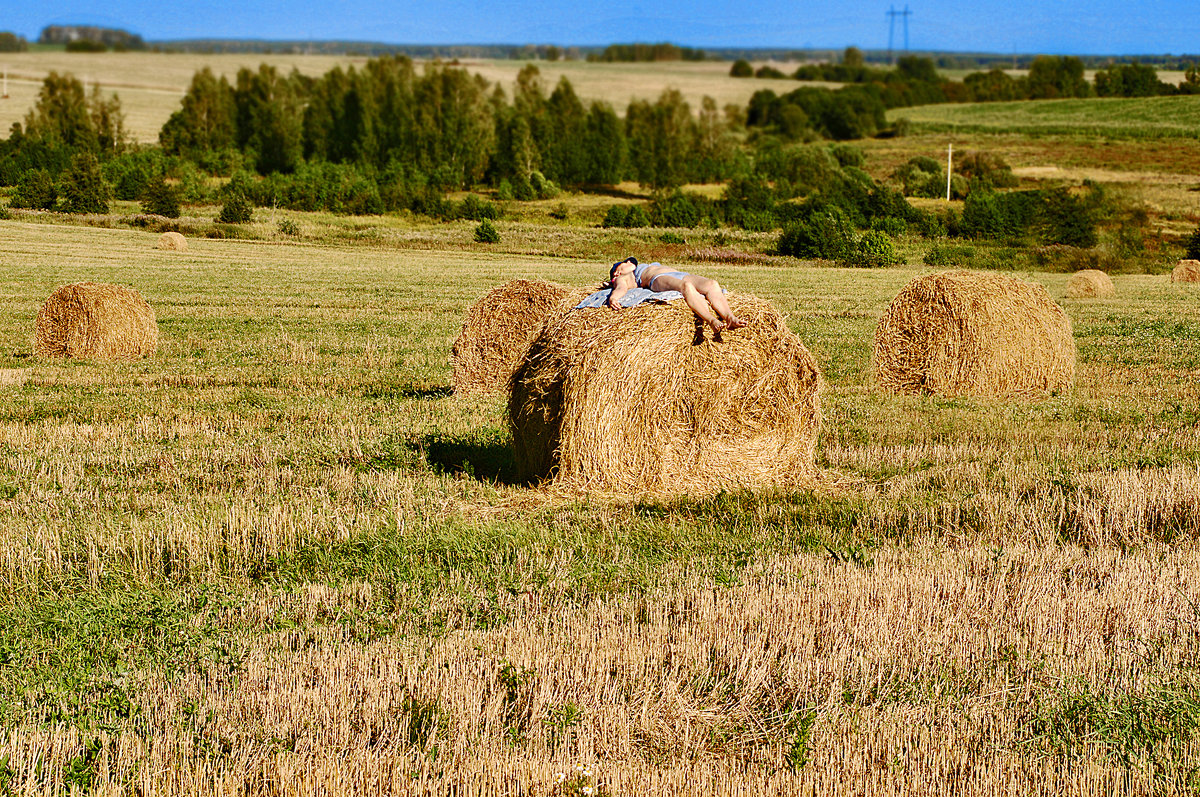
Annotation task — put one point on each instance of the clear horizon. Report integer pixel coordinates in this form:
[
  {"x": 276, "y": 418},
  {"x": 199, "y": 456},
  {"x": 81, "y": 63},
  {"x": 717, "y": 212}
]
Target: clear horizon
[{"x": 1156, "y": 27}]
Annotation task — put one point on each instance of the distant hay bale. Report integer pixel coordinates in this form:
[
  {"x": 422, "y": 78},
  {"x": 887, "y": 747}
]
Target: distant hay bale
[
  {"x": 1090, "y": 283},
  {"x": 95, "y": 321},
  {"x": 971, "y": 333},
  {"x": 1186, "y": 271},
  {"x": 499, "y": 329},
  {"x": 645, "y": 401},
  {"x": 172, "y": 240}
]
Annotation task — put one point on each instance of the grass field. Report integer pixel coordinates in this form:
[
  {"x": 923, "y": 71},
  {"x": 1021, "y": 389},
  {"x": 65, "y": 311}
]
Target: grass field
[
  {"x": 280, "y": 556},
  {"x": 1119, "y": 118}
]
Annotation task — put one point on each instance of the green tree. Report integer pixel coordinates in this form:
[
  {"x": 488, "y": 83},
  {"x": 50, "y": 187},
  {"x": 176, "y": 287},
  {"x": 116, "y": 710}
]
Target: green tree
[
  {"x": 12, "y": 43},
  {"x": 661, "y": 137},
  {"x": 35, "y": 191},
  {"x": 741, "y": 68},
  {"x": 269, "y": 118},
  {"x": 161, "y": 198},
  {"x": 565, "y": 161},
  {"x": 61, "y": 116},
  {"x": 236, "y": 210},
  {"x": 206, "y": 122},
  {"x": 1057, "y": 76},
  {"x": 82, "y": 188},
  {"x": 604, "y": 146}
]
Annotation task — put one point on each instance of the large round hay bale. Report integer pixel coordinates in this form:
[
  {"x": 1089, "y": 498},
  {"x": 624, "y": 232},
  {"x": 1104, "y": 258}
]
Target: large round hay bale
[
  {"x": 172, "y": 240},
  {"x": 1186, "y": 271},
  {"x": 972, "y": 333},
  {"x": 499, "y": 329},
  {"x": 1090, "y": 283},
  {"x": 95, "y": 321},
  {"x": 645, "y": 400}
]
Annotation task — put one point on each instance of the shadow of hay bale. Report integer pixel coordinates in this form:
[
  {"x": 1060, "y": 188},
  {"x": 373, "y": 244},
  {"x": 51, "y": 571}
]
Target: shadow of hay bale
[
  {"x": 973, "y": 333},
  {"x": 95, "y": 321},
  {"x": 486, "y": 455},
  {"x": 1186, "y": 271},
  {"x": 498, "y": 330},
  {"x": 646, "y": 401},
  {"x": 1090, "y": 283}
]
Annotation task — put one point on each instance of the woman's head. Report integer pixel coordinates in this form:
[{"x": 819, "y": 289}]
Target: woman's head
[{"x": 621, "y": 268}]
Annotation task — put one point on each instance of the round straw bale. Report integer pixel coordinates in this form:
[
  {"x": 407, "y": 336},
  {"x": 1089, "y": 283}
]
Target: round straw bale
[
  {"x": 645, "y": 400},
  {"x": 1090, "y": 283},
  {"x": 972, "y": 333},
  {"x": 172, "y": 240},
  {"x": 95, "y": 321},
  {"x": 499, "y": 329},
  {"x": 1186, "y": 271}
]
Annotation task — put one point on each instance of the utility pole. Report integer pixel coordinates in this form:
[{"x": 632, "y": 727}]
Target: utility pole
[{"x": 949, "y": 168}]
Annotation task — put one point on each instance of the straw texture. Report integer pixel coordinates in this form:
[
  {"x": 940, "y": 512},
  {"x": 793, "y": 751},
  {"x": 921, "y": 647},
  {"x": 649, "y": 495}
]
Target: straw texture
[
  {"x": 498, "y": 330},
  {"x": 172, "y": 240},
  {"x": 970, "y": 333},
  {"x": 1186, "y": 271},
  {"x": 644, "y": 400},
  {"x": 95, "y": 321},
  {"x": 1090, "y": 283}
]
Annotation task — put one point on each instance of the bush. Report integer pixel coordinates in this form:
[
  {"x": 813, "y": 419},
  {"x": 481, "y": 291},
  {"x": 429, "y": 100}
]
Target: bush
[
  {"x": 288, "y": 227},
  {"x": 615, "y": 216},
  {"x": 83, "y": 190},
  {"x": 741, "y": 68},
  {"x": 35, "y": 191},
  {"x": 636, "y": 217},
  {"x": 236, "y": 210},
  {"x": 942, "y": 255},
  {"x": 161, "y": 199},
  {"x": 874, "y": 250},
  {"x": 476, "y": 208},
  {"x": 486, "y": 233},
  {"x": 1065, "y": 219},
  {"x": 560, "y": 211},
  {"x": 677, "y": 210},
  {"x": 1192, "y": 252},
  {"x": 672, "y": 238},
  {"x": 890, "y": 225},
  {"x": 132, "y": 172},
  {"x": 542, "y": 188},
  {"x": 824, "y": 234}
]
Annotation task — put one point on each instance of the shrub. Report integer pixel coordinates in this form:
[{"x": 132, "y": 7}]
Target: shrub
[
  {"x": 826, "y": 234},
  {"x": 542, "y": 188},
  {"x": 161, "y": 199},
  {"x": 476, "y": 208},
  {"x": 615, "y": 216},
  {"x": 636, "y": 217},
  {"x": 132, "y": 172},
  {"x": 677, "y": 210},
  {"x": 741, "y": 68},
  {"x": 890, "y": 225},
  {"x": 288, "y": 227},
  {"x": 1066, "y": 220},
  {"x": 35, "y": 191},
  {"x": 486, "y": 233},
  {"x": 83, "y": 189},
  {"x": 559, "y": 211},
  {"x": 672, "y": 238},
  {"x": 1192, "y": 252},
  {"x": 942, "y": 255},
  {"x": 236, "y": 210},
  {"x": 874, "y": 250}
]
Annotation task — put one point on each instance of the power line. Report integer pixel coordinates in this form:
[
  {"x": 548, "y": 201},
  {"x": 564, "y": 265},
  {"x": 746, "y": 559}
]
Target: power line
[{"x": 892, "y": 14}]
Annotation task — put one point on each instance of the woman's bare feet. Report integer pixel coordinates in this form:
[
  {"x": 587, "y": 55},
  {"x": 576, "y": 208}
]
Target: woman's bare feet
[{"x": 736, "y": 323}]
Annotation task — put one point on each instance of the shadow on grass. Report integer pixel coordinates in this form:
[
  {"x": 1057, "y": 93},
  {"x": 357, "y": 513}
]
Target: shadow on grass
[
  {"x": 486, "y": 455},
  {"x": 408, "y": 391}
]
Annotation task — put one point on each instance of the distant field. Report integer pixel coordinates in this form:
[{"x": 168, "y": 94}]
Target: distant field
[
  {"x": 1141, "y": 117},
  {"x": 150, "y": 85}
]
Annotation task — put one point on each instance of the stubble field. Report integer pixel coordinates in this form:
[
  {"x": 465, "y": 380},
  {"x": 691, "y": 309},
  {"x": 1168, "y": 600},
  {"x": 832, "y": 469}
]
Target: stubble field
[{"x": 280, "y": 556}]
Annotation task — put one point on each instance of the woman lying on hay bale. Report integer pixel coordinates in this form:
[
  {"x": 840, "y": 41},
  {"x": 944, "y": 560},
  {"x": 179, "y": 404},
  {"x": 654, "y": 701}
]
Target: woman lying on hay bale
[
  {"x": 630, "y": 283},
  {"x": 647, "y": 401}
]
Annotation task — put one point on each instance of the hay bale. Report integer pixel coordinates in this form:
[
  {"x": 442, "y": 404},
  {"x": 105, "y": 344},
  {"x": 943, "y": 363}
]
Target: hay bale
[
  {"x": 1186, "y": 271},
  {"x": 1090, "y": 283},
  {"x": 971, "y": 333},
  {"x": 172, "y": 240},
  {"x": 498, "y": 330},
  {"x": 645, "y": 401},
  {"x": 95, "y": 321}
]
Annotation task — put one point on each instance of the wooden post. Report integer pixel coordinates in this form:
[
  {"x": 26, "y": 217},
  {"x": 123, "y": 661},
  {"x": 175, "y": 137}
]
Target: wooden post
[{"x": 949, "y": 168}]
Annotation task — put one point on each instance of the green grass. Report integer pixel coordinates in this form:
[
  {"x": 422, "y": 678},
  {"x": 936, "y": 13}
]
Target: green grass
[{"x": 1118, "y": 118}]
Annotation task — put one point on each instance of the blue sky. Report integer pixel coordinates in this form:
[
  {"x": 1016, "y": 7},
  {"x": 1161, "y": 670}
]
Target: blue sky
[{"x": 1099, "y": 27}]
